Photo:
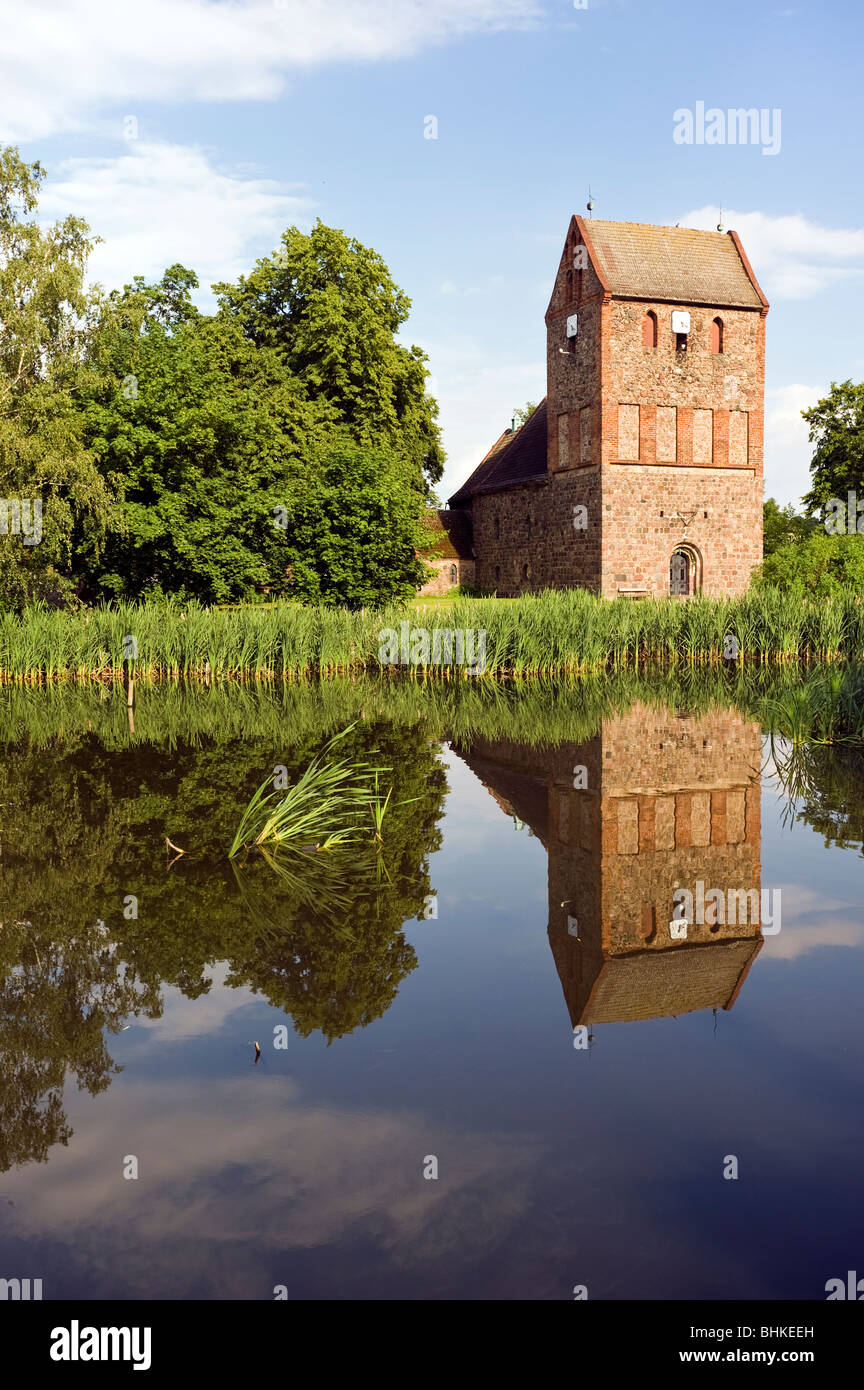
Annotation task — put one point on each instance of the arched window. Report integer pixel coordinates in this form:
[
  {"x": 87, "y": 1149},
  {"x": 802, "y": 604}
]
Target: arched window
[
  {"x": 526, "y": 571},
  {"x": 497, "y": 528},
  {"x": 454, "y": 574},
  {"x": 716, "y": 335},
  {"x": 649, "y": 330}
]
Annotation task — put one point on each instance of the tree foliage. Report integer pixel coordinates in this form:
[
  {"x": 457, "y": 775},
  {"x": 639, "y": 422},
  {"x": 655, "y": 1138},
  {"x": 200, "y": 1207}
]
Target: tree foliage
[
  {"x": 47, "y": 321},
  {"x": 837, "y": 433},
  {"x": 784, "y": 526},
  {"x": 822, "y": 565},
  {"x": 331, "y": 309},
  {"x": 284, "y": 445}
]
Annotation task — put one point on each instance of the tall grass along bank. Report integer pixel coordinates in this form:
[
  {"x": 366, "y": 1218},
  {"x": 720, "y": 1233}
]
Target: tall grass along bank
[{"x": 555, "y": 633}]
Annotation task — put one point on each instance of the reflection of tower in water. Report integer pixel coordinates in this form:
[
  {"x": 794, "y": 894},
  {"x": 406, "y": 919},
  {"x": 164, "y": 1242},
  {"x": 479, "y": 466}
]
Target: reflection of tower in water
[{"x": 655, "y": 802}]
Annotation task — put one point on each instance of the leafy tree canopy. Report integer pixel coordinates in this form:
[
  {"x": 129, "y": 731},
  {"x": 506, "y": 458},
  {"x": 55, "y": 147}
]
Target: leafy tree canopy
[
  {"x": 331, "y": 308},
  {"x": 784, "y": 526},
  {"x": 837, "y": 432},
  {"x": 47, "y": 318},
  {"x": 822, "y": 565},
  {"x": 524, "y": 412}
]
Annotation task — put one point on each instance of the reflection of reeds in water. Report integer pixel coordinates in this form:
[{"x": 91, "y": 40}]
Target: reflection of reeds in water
[
  {"x": 320, "y": 812},
  {"x": 802, "y": 703},
  {"x": 825, "y": 710},
  {"x": 828, "y": 707}
]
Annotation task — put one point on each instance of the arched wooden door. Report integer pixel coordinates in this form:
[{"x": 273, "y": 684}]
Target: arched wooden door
[{"x": 679, "y": 573}]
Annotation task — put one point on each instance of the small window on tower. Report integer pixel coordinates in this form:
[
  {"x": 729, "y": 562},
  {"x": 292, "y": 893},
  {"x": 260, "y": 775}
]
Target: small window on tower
[
  {"x": 716, "y": 336},
  {"x": 680, "y": 342},
  {"x": 649, "y": 330},
  {"x": 497, "y": 527}
]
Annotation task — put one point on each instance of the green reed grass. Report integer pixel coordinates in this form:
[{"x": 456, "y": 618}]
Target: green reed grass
[
  {"x": 321, "y": 811},
  {"x": 554, "y": 633}
]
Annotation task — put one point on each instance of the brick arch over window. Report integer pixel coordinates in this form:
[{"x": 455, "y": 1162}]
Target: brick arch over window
[
  {"x": 715, "y": 337},
  {"x": 649, "y": 330}
]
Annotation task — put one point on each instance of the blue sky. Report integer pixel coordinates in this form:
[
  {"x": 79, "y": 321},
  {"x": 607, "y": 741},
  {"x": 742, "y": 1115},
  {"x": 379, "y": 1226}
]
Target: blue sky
[{"x": 196, "y": 131}]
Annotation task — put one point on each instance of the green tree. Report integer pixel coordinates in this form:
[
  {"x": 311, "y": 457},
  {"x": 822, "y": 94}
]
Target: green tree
[
  {"x": 47, "y": 318},
  {"x": 353, "y": 529},
  {"x": 784, "y": 526},
  {"x": 235, "y": 480},
  {"x": 524, "y": 412},
  {"x": 821, "y": 565},
  {"x": 206, "y": 432},
  {"x": 837, "y": 432},
  {"x": 331, "y": 308}
]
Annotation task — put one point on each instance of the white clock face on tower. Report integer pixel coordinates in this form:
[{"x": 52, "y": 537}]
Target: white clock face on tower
[
  {"x": 680, "y": 321},
  {"x": 572, "y": 325}
]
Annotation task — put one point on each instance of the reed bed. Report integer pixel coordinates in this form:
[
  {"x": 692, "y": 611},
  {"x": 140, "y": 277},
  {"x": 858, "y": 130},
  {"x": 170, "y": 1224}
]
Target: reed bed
[{"x": 550, "y": 634}]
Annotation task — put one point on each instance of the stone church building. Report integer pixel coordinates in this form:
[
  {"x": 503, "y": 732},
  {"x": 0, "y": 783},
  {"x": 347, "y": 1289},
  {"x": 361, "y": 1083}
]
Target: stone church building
[{"x": 640, "y": 473}]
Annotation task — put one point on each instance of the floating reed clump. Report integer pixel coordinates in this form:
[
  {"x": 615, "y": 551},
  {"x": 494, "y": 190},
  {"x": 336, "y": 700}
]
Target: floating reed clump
[
  {"x": 322, "y": 810},
  {"x": 554, "y": 633}
]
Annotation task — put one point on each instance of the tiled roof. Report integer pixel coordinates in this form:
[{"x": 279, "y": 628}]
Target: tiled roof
[
  {"x": 673, "y": 264},
  {"x": 450, "y": 535},
  {"x": 516, "y": 457}
]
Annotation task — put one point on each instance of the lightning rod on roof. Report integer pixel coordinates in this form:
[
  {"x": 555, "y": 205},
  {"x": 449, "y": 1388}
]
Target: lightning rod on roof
[
  {"x": 590, "y": 203},
  {"x": 720, "y": 226}
]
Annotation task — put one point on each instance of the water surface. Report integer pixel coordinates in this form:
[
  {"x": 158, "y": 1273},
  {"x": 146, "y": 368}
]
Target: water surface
[{"x": 428, "y": 1000}]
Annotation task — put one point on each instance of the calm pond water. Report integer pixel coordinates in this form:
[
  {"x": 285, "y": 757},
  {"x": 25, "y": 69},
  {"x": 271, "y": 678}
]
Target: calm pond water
[{"x": 502, "y": 991}]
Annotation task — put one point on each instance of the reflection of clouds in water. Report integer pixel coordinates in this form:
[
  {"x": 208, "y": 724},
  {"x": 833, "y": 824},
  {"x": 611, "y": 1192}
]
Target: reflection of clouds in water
[
  {"x": 256, "y": 1166},
  {"x": 813, "y": 920},
  {"x": 193, "y": 1018}
]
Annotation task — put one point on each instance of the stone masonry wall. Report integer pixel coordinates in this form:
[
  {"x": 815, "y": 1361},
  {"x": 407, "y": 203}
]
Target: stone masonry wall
[
  {"x": 663, "y": 447},
  {"x": 682, "y": 449}
]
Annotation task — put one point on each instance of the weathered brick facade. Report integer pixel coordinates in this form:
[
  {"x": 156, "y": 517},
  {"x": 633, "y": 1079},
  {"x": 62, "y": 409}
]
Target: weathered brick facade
[{"x": 656, "y": 432}]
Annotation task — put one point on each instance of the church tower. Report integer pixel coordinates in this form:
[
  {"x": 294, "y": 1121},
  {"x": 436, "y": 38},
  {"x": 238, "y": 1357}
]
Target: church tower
[{"x": 641, "y": 472}]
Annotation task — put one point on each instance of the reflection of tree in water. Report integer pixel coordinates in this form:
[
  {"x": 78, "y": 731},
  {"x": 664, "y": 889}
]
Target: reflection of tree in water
[
  {"x": 825, "y": 786},
  {"x": 84, "y": 827}
]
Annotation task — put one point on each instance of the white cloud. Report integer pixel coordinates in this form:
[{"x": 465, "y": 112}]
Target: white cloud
[
  {"x": 63, "y": 62},
  {"x": 787, "y": 447},
  {"x": 477, "y": 396},
  {"x": 793, "y": 258},
  {"x": 160, "y": 203}
]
